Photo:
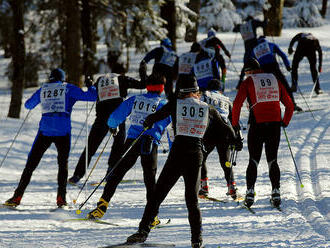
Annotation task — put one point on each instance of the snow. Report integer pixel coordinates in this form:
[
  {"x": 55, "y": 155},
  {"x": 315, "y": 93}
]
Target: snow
[{"x": 303, "y": 223}]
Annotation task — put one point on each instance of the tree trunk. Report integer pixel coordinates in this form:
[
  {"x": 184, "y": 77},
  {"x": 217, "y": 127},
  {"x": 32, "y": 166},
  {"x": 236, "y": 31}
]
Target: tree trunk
[
  {"x": 18, "y": 58},
  {"x": 168, "y": 13},
  {"x": 191, "y": 33},
  {"x": 88, "y": 39},
  {"x": 72, "y": 42},
  {"x": 324, "y": 8},
  {"x": 274, "y": 17}
]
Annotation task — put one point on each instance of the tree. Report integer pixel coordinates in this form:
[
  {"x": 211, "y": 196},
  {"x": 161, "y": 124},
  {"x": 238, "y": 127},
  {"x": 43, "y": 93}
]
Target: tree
[
  {"x": 168, "y": 13},
  {"x": 18, "y": 57},
  {"x": 191, "y": 33},
  {"x": 274, "y": 17},
  {"x": 324, "y": 8},
  {"x": 72, "y": 46}
]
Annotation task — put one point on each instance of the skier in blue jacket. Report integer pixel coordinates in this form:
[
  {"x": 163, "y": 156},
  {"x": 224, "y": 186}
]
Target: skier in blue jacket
[
  {"x": 165, "y": 63},
  {"x": 136, "y": 108},
  {"x": 57, "y": 99},
  {"x": 265, "y": 52}
]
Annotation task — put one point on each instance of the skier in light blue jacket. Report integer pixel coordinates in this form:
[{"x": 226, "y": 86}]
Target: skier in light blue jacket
[
  {"x": 136, "y": 108},
  {"x": 57, "y": 99}
]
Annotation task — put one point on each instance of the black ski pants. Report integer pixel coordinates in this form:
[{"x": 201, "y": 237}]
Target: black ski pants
[
  {"x": 39, "y": 147},
  {"x": 148, "y": 162},
  {"x": 224, "y": 156},
  {"x": 267, "y": 133},
  {"x": 96, "y": 135},
  {"x": 311, "y": 56},
  {"x": 179, "y": 163}
]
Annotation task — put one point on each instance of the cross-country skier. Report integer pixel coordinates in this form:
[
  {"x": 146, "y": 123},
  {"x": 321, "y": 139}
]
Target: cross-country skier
[
  {"x": 265, "y": 52},
  {"x": 190, "y": 118},
  {"x": 214, "y": 96},
  {"x": 248, "y": 31},
  {"x": 165, "y": 62},
  {"x": 264, "y": 93},
  {"x": 57, "y": 99},
  {"x": 136, "y": 108},
  {"x": 307, "y": 46},
  {"x": 112, "y": 90}
]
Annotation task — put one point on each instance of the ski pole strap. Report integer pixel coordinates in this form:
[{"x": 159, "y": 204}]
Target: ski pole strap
[{"x": 114, "y": 167}]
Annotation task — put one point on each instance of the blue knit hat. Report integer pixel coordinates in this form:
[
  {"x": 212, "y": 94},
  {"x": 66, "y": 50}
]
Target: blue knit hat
[{"x": 57, "y": 75}]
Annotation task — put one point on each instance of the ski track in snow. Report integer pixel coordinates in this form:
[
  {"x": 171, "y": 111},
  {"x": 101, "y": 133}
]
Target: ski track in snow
[{"x": 304, "y": 222}]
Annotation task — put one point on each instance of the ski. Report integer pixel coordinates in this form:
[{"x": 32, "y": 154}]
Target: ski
[
  {"x": 248, "y": 209},
  {"x": 93, "y": 221},
  {"x": 131, "y": 245},
  {"x": 308, "y": 110},
  {"x": 60, "y": 208},
  {"x": 122, "y": 181},
  {"x": 10, "y": 207},
  {"x": 209, "y": 198}
]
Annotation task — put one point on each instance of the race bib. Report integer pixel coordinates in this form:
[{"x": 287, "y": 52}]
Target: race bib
[
  {"x": 108, "y": 88},
  {"x": 203, "y": 69},
  {"x": 219, "y": 101},
  {"x": 261, "y": 50},
  {"x": 186, "y": 62},
  {"x": 168, "y": 58},
  {"x": 266, "y": 87},
  {"x": 142, "y": 107},
  {"x": 246, "y": 31},
  {"x": 52, "y": 97},
  {"x": 191, "y": 117}
]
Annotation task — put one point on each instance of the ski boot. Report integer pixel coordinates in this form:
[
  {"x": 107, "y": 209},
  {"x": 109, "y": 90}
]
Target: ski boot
[
  {"x": 232, "y": 190},
  {"x": 249, "y": 198},
  {"x": 60, "y": 201},
  {"x": 155, "y": 222},
  {"x": 297, "y": 108},
  {"x": 13, "y": 202},
  {"x": 74, "y": 180},
  {"x": 197, "y": 244},
  {"x": 98, "y": 212},
  {"x": 138, "y": 237},
  {"x": 275, "y": 199},
  {"x": 204, "y": 191}
]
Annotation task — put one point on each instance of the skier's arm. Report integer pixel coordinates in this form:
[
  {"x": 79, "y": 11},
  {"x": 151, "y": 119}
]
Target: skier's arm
[
  {"x": 238, "y": 102},
  {"x": 222, "y": 46},
  {"x": 286, "y": 100},
  {"x": 283, "y": 56},
  {"x": 294, "y": 39},
  {"x": 80, "y": 95},
  {"x": 152, "y": 54},
  {"x": 34, "y": 100},
  {"x": 131, "y": 83},
  {"x": 120, "y": 114}
]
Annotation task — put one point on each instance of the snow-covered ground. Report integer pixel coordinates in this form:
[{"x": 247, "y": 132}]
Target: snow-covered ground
[{"x": 304, "y": 221}]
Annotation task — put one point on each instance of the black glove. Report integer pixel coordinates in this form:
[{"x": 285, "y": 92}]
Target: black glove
[
  {"x": 283, "y": 124},
  {"x": 113, "y": 131},
  {"x": 290, "y": 50},
  {"x": 288, "y": 68},
  {"x": 148, "y": 122},
  {"x": 88, "y": 81},
  {"x": 238, "y": 143}
]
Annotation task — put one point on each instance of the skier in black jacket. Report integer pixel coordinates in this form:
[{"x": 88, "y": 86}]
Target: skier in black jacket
[
  {"x": 307, "y": 46},
  {"x": 190, "y": 117},
  {"x": 112, "y": 89}
]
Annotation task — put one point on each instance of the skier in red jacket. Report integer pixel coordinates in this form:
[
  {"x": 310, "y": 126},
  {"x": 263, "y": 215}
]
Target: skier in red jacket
[{"x": 264, "y": 94}]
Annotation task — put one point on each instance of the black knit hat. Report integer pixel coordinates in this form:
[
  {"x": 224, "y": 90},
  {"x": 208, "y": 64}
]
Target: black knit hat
[{"x": 186, "y": 84}]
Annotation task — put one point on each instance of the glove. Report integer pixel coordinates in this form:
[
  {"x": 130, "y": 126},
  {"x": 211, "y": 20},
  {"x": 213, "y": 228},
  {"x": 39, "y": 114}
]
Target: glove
[
  {"x": 113, "y": 131},
  {"x": 223, "y": 78},
  {"x": 290, "y": 50},
  {"x": 147, "y": 122},
  {"x": 288, "y": 68},
  {"x": 238, "y": 144},
  {"x": 320, "y": 69},
  {"x": 88, "y": 81},
  {"x": 283, "y": 124}
]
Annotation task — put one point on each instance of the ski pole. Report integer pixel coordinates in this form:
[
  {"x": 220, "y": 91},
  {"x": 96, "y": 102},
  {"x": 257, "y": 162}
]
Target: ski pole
[
  {"x": 74, "y": 145},
  {"x": 19, "y": 130},
  {"x": 302, "y": 95},
  {"x": 90, "y": 173},
  {"x": 231, "y": 159},
  {"x": 294, "y": 161},
  {"x": 78, "y": 211}
]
